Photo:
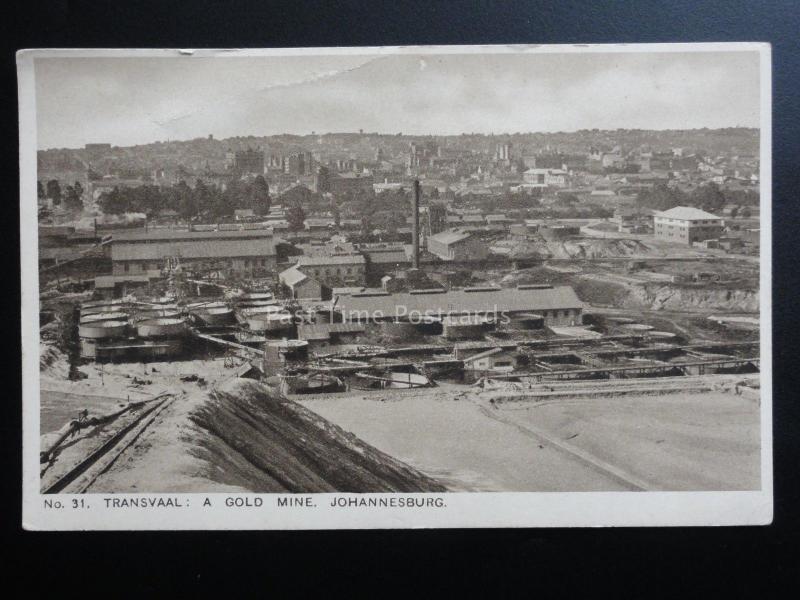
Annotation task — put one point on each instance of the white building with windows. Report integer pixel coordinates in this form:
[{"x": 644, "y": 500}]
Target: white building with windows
[{"x": 686, "y": 225}]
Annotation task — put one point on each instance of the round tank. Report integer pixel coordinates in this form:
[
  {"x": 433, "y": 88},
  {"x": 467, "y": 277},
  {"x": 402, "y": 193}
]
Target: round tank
[
  {"x": 108, "y": 316},
  {"x": 217, "y": 316},
  {"x": 270, "y": 322},
  {"x": 294, "y": 350},
  {"x": 102, "y": 330},
  {"x": 160, "y": 328},
  {"x": 161, "y": 349},
  {"x": 262, "y": 310},
  {"x": 255, "y": 296}
]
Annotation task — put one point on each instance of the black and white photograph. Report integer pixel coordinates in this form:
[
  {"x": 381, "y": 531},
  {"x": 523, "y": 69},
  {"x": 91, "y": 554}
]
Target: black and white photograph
[{"x": 433, "y": 286}]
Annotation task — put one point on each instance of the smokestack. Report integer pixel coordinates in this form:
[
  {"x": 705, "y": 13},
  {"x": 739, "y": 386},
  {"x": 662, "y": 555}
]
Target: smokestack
[{"x": 415, "y": 226}]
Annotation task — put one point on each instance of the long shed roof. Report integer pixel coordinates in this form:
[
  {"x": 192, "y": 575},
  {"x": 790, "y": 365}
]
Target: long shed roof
[{"x": 510, "y": 300}]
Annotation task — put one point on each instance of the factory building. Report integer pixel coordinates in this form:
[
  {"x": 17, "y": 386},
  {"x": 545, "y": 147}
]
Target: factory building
[
  {"x": 300, "y": 285},
  {"x": 686, "y": 225},
  {"x": 349, "y": 269},
  {"x": 557, "y": 306},
  {"x": 457, "y": 245},
  {"x": 242, "y": 251}
]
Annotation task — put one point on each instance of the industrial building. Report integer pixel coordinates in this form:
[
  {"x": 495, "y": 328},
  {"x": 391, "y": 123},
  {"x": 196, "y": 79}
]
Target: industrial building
[
  {"x": 329, "y": 270},
  {"x": 457, "y": 245},
  {"x": 558, "y": 306},
  {"x": 242, "y": 250},
  {"x": 300, "y": 285},
  {"x": 686, "y": 225}
]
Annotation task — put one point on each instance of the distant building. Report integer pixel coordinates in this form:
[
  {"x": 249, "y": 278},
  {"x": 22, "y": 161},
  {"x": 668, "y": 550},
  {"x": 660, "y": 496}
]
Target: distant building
[
  {"x": 343, "y": 183},
  {"x": 457, "y": 245},
  {"x": 247, "y": 161},
  {"x": 97, "y": 151},
  {"x": 558, "y": 306},
  {"x": 137, "y": 252},
  {"x": 300, "y": 285},
  {"x": 436, "y": 221},
  {"x": 494, "y": 359},
  {"x": 686, "y": 225},
  {"x": 335, "y": 270},
  {"x": 545, "y": 177}
]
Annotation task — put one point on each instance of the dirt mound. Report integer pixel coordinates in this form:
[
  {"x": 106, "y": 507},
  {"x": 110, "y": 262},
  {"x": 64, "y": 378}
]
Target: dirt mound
[
  {"x": 267, "y": 444},
  {"x": 670, "y": 297},
  {"x": 611, "y": 248},
  {"x": 53, "y": 362}
]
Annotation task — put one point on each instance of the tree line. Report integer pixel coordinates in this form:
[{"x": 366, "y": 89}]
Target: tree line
[
  {"x": 708, "y": 197},
  {"x": 71, "y": 196},
  {"x": 202, "y": 200}
]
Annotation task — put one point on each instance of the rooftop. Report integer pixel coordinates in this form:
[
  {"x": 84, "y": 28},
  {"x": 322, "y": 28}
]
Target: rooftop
[
  {"x": 450, "y": 236},
  {"x": 686, "y": 213},
  {"x": 150, "y": 235},
  {"x": 324, "y": 261},
  {"x": 479, "y": 301}
]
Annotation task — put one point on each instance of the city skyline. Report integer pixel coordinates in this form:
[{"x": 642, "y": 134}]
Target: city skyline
[{"x": 181, "y": 99}]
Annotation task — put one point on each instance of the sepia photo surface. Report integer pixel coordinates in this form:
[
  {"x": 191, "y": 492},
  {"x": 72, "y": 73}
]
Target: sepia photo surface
[{"x": 396, "y": 287}]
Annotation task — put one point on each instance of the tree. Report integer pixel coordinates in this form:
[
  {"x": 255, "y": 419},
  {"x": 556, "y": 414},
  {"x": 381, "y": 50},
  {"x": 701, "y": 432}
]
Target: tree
[
  {"x": 54, "y": 191},
  {"x": 72, "y": 198},
  {"x": 40, "y": 194},
  {"x": 708, "y": 197},
  {"x": 186, "y": 205},
  {"x": 296, "y": 217},
  {"x": 661, "y": 197},
  {"x": 259, "y": 195}
]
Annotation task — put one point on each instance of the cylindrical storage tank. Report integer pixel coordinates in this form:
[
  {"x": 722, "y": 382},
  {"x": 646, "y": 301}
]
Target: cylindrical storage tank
[
  {"x": 465, "y": 327},
  {"x": 217, "y": 316},
  {"x": 270, "y": 322},
  {"x": 105, "y": 330},
  {"x": 526, "y": 321},
  {"x": 254, "y": 296},
  {"x": 261, "y": 310},
  {"x": 291, "y": 350},
  {"x": 162, "y": 349},
  {"x": 108, "y": 316},
  {"x": 159, "y": 313},
  {"x": 100, "y": 308},
  {"x": 156, "y": 328}
]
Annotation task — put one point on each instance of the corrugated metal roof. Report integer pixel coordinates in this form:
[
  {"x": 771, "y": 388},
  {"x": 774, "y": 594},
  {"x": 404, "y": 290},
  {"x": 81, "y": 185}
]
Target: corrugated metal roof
[
  {"x": 459, "y": 301},
  {"x": 212, "y": 248},
  {"x": 323, "y": 261},
  {"x": 450, "y": 236},
  {"x": 141, "y": 235},
  {"x": 687, "y": 213},
  {"x": 292, "y": 276}
]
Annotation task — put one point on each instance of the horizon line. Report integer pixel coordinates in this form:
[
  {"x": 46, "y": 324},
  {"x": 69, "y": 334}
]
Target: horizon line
[{"x": 400, "y": 134}]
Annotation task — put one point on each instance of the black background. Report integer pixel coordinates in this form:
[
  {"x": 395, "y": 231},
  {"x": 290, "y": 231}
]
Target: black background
[{"x": 635, "y": 562}]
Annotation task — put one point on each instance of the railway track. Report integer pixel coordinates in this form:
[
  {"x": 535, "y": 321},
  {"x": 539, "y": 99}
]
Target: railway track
[{"x": 79, "y": 478}]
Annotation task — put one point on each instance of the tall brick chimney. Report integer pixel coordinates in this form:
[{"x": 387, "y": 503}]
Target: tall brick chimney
[{"x": 415, "y": 227}]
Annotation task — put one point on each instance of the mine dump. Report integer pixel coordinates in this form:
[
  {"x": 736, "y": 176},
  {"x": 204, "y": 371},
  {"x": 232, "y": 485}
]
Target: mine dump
[{"x": 554, "y": 332}]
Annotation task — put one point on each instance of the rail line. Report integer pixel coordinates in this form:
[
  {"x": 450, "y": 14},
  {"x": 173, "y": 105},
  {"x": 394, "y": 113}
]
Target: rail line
[{"x": 108, "y": 446}]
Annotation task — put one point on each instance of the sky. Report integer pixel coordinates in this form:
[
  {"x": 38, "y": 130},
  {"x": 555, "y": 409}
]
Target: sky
[{"x": 137, "y": 100}]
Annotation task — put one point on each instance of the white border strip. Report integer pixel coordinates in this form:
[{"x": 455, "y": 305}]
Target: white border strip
[{"x": 517, "y": 509}]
